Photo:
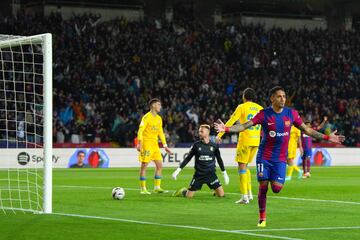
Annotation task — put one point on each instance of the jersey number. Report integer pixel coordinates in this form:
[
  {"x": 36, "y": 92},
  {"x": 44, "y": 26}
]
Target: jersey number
[
  {"x": 260, "y": 167},
  {"x": 145, "y": 153}
]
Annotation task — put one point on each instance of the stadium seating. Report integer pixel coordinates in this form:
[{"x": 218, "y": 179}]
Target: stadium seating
[{"x": 106, "y": 71}]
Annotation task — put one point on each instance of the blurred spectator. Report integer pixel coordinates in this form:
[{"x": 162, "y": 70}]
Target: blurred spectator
[{"x": 106, "y": 71}]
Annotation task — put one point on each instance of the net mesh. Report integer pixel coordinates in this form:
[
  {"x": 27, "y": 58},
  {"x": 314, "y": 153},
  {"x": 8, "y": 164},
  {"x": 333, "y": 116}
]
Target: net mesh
[{"x": 21, "y": 123}]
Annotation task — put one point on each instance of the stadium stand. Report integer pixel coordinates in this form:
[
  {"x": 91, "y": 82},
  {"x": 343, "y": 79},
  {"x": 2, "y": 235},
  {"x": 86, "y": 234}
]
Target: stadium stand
[{"x": 106, "y": 71}]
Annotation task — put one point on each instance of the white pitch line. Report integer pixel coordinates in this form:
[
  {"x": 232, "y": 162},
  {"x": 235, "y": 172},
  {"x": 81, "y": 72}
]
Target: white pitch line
[
  {"x": 315, "y": 200},
  {"x": 175, "y": 226},
  {"x": 230, "y": 193},
  {"x": 297, "y": 229},
  {"x": 89, "y": 187},
  {"x": 192, "y": 227}
]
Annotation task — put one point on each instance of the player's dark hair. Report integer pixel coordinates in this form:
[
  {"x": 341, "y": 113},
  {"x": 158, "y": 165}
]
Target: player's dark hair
[
  {"x": 249, "y": 94},
  {"x": 153, "y": 100},
  {"x": 79, "y": 152},
  {"x": 275, "y": 89}
]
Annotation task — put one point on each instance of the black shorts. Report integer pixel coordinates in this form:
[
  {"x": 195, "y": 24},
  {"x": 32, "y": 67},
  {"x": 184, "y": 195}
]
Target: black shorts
[{"x": 198, "y": 180}]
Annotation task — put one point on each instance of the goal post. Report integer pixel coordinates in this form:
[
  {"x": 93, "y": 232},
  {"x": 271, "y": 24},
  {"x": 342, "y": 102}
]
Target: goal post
[
  {"x": 26, "y": 122},
  {"x": 47, "y": 50}
]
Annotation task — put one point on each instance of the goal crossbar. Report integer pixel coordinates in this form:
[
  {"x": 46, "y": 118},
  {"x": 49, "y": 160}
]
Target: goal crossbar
[{"x": 15, "y": 41}]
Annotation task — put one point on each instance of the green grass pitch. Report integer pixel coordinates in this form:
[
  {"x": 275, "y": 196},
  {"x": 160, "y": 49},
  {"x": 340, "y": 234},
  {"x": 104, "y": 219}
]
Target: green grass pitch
[{"x": 326, "y": 206}]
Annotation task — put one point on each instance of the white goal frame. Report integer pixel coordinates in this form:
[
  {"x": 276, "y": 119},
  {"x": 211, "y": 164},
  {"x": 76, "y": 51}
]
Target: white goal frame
[{"x": 46, "y": 41}]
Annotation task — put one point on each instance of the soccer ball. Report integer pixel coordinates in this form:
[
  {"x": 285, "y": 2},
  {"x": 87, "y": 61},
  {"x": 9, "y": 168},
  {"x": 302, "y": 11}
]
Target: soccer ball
[{"x": 118, "y": 193}]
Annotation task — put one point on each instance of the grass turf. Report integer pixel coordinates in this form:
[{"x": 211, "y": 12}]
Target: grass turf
[{"x": 87, "y": 194}]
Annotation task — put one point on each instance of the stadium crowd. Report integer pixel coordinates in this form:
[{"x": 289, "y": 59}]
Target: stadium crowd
[{"x": 106, "y": 71}]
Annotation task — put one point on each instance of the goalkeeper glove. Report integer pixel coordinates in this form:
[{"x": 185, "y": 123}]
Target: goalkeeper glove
[
  {"x": 226, "y": 177},
  {"x": 177, "y": 171}
]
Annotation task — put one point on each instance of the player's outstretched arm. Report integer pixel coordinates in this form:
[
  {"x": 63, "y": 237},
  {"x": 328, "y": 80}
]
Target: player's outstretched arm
[
  {"x": 163, "y": 140},
  {"x": 315, "y": 134},
  {"x": 183, "y": 163},
  {"x": 142, "y": 127},
  {"x": 139, "y": 146},
  {"x": 234, "y": 117},
  {"x": 168, "y": 150},
  {"x": 222, "y": 166},
  {"x": 220, "y": 126}
]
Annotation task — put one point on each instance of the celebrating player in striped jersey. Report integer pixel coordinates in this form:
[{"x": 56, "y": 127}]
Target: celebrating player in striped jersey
[
  {"x": 276, "y": 122},
  {"x": 248, "y": 142},
  {"x": 149, "y": 132}
]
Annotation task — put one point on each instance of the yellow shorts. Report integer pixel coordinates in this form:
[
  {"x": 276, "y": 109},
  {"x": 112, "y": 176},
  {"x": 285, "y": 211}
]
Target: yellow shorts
[
  {"x": 245, "y": 154},
  {"x": 150, "y": 152},
  {"x": 291, "y": 152}
]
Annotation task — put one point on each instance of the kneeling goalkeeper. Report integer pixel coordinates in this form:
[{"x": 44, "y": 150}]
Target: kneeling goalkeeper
[{"x": 205, "y": 153}]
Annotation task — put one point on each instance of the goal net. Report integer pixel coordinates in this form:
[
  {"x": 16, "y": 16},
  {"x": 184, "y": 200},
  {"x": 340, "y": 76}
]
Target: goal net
[{"x": 26, "y": 123}]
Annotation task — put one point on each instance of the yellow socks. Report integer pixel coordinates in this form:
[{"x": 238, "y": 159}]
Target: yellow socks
[
  {"x": 248, "y": 173},
  {"x": 157, "y": 182},
  {"x": 243, "y": 177},
  {"x": 142, "y": 182},
  {"x": 290, "y": 170}
]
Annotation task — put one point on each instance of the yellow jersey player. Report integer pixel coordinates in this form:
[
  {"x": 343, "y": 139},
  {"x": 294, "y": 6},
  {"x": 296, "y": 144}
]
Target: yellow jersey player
[
  {"x": 150, "y": 130},
  {"x": 248, "y": 142},
  {"x": 294, "y": 143}
]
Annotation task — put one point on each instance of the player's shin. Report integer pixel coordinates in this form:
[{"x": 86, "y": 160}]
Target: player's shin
[
  {"x": 263, "y": 188},
  {"x": 142, "y": 182},
  {"x": 290, "y": 170},
  {"x": 308, "y": 165},
  {"x": 243, "y": 183},
  {"x": 157, "y": 182},
  {"x": 304, "y": 164},
  {"x": 249, "y": 187}
]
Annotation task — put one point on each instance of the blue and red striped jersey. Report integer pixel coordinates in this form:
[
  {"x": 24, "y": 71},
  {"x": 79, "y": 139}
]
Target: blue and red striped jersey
[
  {"x": 306, "y": 142},
  {"x": 276, "y": 132}
]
